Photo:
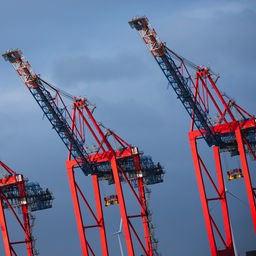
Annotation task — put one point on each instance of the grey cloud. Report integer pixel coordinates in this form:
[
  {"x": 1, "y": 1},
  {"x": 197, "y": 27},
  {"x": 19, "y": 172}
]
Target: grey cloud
[
  {"x": 92, "y": 69},
  {"x": 129, "y": 91}
]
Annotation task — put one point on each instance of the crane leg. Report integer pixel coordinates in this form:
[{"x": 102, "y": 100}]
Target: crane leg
[
  {"x": 4, "y": 230},
  {"x": 247, "y": 178},
  {"x": 80, "y": 226}
]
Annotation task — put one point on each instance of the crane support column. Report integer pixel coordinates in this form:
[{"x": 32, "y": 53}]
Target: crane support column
[
  {"x": 144, "y": 211},
  {"x": 99, "y": 219},
  {"x": 247, "y": 178},
  {"x": 202, "y": 193},
  {"x": 123, "y": 212},
  {"x": 80, "y": 226},
  {"x": 211, "y": 225},
  {"x": 24, "y": 209},
  {"x": 4, "y": 230},
  {"x": 101, "y": 223},
  {"x": 224, "y": 206}
]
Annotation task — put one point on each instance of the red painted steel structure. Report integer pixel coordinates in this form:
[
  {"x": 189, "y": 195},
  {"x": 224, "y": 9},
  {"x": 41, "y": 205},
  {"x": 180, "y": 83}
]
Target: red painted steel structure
[
  {"x": 106, "y": 153},
  {"x": 14, "y": 179},
  {"x": 82, "y": 115},
  {"x": 107, "y": 160},
  {"x": 225, "y": 126}
]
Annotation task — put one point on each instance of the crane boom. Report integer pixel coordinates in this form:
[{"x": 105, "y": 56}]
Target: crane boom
[
  {"x": 53, "y": 112},
  {"x": 180, "y": 84}
]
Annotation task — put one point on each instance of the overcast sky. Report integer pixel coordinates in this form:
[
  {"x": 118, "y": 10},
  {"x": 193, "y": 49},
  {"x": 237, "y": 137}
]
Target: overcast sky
[{"x": 88, "y": 49}]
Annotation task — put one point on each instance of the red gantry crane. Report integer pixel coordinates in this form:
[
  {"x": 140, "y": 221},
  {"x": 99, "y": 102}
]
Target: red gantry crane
[
  {"x": 100, "y": 153},
  {"x": 19, "y": 195},
  {"x": 225, "y": 126}
]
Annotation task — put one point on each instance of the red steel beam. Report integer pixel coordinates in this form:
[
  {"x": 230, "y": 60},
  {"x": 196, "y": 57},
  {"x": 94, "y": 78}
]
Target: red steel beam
[
  {"x": 18, "y": 180},
  {"x": 99, "y": 219},
  {"x": 247, "y": 177},
  {"x": 212, "y": 228},
  {"x": 4, "y": 230}
]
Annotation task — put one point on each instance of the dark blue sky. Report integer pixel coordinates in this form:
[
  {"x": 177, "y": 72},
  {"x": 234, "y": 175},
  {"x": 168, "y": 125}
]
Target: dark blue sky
[{"x": 88, "y": 49}]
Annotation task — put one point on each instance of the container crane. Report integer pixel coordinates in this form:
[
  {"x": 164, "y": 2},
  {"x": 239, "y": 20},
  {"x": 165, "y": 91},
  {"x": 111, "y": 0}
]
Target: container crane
[
  {"x": 110, "y": 159},
  {"x": 16, "y": 192},
  {"x": 225, "y": 126}
]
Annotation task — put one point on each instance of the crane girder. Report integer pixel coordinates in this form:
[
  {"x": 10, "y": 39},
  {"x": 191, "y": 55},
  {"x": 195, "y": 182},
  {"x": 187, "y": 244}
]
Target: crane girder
[
  {"x": 60, "y": 125},
  {"x": 185, "y": 95},
  {"x": 179, "y": 83},
  {"x": 47, "y": 103}
]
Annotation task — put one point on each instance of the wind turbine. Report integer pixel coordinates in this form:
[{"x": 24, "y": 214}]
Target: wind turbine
[{"x": 118, "y": 233}]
